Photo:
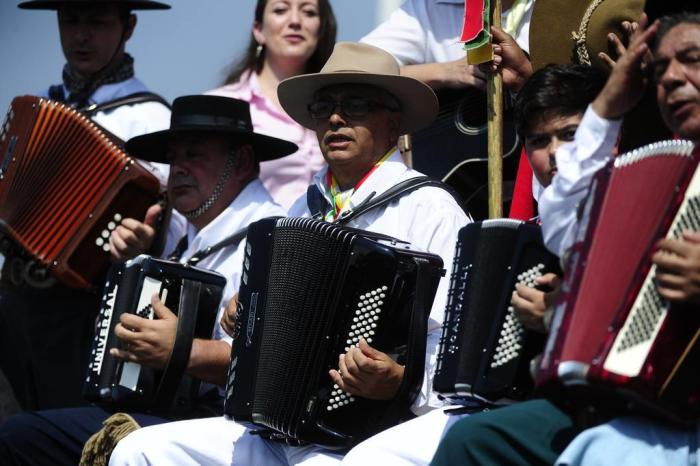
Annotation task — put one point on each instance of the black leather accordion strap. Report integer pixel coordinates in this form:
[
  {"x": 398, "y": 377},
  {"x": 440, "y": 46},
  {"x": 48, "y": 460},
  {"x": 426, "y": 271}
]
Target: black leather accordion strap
[
  {"x": 188, "y": 310},
  {"x": 208, "y": 251},
  {"x": 415, "y": 349},
  {"x": 395, "y": 192},
  {"x": 131, "y": 99}
]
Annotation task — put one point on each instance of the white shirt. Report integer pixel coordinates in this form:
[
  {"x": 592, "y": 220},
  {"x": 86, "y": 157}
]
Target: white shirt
[
  {"x": 428, "y": 31},
  {"x": 429, "y": 218},
  {"x": 252, "y": 203},
  {"x": 577, "y": 162}
]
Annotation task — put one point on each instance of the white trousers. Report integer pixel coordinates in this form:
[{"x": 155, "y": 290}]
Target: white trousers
[
  {"x": 212, "y": 441},
  {"x": 411, "y": 443}
]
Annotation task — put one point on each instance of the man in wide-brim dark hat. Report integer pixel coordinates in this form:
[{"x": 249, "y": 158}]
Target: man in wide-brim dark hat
[
  {"x": 99, "y": 73},
  {"x": 214, "y": 157}
]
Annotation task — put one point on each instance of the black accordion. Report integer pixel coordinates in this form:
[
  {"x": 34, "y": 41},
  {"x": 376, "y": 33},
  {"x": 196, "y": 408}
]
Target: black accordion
[
  {"x": 193, "y": 294},
  {"x": 309, "y": 291},
  {"x": 485, "y": 351}
]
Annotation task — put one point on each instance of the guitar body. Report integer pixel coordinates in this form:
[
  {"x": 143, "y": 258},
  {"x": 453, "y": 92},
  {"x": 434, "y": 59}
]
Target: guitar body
[{"x": 455, "y": 148}]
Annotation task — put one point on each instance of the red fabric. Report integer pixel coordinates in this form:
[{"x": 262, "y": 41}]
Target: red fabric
[
  {"x": 473, "y": 19},
  {"x": 523, "y": 206}
]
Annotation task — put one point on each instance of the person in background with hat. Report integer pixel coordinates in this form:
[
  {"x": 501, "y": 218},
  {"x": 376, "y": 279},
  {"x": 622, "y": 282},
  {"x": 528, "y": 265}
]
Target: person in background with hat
[
  {"x": 528, "y": 432},
  {"x": 46, "y": 329},
  {"x": 358, "y": 104},
  {"x": 98, "y": 69},
  {"x": 214, "y": 159}
]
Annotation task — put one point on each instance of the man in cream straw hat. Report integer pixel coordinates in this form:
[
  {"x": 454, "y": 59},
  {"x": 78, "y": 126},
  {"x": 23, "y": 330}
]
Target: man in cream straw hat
[{"x": 358, "y": 104}]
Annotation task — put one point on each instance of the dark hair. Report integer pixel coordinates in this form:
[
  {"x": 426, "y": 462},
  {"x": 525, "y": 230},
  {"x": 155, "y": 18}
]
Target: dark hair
[
  {"x": 559, "y": 90},
  {"x": 326, "y": 40},
  {"x": 668, "y": 22}
]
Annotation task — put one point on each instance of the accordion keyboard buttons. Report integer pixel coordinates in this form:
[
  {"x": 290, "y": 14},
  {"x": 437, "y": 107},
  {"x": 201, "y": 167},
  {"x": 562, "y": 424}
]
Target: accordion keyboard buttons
[
  {"x": 367, "y": 311},
  {"x": 510, "y": 339},
  {"x": 102, "y": 241}
]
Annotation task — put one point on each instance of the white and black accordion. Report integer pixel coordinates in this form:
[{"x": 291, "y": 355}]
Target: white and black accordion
[
  {"x": 193, "y": 294},
  {"x": 485, "y": 351},
  {"x": 309, "y": 291}
]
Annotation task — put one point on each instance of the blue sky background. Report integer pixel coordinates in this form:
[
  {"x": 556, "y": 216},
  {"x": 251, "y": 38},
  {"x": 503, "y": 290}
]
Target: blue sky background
[{"x": 184, "y": 50}]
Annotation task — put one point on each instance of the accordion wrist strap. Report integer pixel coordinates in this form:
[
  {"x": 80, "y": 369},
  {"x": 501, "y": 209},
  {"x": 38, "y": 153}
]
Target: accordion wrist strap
[{"x": 188, "y": 309}]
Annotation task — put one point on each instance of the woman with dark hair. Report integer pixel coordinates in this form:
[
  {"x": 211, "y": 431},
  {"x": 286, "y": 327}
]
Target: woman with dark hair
[{"x": 289, "y": 37}]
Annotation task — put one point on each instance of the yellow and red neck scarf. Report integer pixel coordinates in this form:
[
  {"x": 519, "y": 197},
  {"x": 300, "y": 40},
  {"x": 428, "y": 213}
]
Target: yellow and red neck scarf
[{"x": 341, "y": 198}]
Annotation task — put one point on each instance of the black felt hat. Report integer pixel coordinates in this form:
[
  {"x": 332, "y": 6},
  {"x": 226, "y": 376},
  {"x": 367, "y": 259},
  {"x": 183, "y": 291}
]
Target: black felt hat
[
  {"x": 56, "y": 4},
  {"x": 209, "y": 113}
]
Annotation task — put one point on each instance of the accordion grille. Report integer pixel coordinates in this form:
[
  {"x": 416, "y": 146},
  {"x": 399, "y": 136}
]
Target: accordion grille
[
  {"x": 56, "y": 176},
  {"x": 295, "y": 318}
]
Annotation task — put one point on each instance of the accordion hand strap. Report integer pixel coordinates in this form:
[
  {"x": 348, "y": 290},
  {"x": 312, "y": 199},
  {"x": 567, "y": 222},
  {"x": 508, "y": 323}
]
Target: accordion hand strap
[
  {"x": 415, "y": 352},
  {"x": 131, "y": 99},
  {"x": 188, "y": 309}
]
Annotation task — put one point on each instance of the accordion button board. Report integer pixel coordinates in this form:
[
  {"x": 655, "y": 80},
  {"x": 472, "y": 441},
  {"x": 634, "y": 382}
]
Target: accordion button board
[
  {"x": 193, "y": 294},
  {"x": 485, "y": 351}
]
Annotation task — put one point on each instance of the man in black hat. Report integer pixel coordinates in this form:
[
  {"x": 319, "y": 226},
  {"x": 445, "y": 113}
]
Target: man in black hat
[
  {"x": 214, "y": 160},
  {"x": 45, "y": 329},
  {"x": 98, "y": 77}
]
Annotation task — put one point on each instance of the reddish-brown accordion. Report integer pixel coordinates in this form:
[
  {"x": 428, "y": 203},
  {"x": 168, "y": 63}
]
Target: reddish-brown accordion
[{"x": 64, "y": 186}]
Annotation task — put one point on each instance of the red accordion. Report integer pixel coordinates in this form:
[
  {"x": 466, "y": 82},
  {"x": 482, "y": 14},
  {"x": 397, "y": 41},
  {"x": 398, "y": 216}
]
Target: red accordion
[
  {"x": 64, "y": 186},
  {"x": 614, "y": 341}
]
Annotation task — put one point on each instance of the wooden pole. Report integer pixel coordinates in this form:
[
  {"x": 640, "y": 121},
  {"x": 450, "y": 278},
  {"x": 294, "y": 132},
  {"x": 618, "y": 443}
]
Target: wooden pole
[{"x": 494, "y": 94}]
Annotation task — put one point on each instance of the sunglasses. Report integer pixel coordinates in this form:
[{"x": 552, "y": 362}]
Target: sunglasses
[{"x": 351, "y": 107}]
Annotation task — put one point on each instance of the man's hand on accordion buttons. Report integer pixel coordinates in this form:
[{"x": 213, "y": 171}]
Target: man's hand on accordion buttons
[
  {"x": 147, "y": 341},
  {"x": 678, "y": 268},
  {"x": 228, "y": 319},
  {"x": 132, "y": 237},
  {"x": 530, "y": 304},
  {"x": 367, "y": 372}
]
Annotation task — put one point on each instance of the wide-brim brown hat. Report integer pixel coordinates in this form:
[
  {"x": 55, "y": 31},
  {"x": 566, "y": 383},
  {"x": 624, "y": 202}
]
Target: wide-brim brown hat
[
  {"x": 353, "y": 63},
  {"x": 56, "y": 4},
  {"x": 576, "y": 31},
  {"x": 209, "y": 114}
]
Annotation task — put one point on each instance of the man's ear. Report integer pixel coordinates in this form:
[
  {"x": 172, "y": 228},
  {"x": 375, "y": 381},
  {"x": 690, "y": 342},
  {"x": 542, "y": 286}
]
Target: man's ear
[
  {"x": 245, "y": 162},
  {"x": 130, "y": 26}
]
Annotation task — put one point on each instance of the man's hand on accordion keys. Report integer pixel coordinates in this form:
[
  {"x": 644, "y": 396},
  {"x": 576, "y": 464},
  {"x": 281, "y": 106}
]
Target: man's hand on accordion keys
[
  {"x": 367, "y": 372},
  {"x": 132, "y": 237},
  {"x": 147, "y": 341},
  {"x": 678, "y": 268},
  {"x": 228, "y": 319},
  {"x": 530, "y": 304}
]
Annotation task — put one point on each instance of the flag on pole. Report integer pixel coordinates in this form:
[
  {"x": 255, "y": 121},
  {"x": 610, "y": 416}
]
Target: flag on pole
[{"x": 476, "y": 31}]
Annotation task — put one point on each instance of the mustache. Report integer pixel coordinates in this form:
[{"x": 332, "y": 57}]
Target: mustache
[{"x": 179, "y": 180}]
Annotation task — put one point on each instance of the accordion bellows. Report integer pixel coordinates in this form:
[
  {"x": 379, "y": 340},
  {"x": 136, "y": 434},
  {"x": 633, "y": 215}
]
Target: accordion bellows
[
  {"x": 64, "y": 186},
  {"x": 309, "y": 291},
  {"x": 614, "y": 340}
]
